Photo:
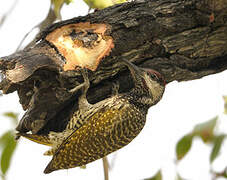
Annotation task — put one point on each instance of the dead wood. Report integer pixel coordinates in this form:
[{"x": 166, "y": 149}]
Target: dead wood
[{"x": 182, "y": 39}]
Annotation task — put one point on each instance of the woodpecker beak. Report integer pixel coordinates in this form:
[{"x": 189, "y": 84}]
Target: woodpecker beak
[{"x": 135, "y": 71}]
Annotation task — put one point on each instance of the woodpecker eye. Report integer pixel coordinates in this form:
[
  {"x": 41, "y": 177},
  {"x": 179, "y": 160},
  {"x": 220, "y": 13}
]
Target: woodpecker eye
[{"x": 155, "y": 75}]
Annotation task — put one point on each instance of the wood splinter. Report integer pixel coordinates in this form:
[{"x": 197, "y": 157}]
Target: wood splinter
[{"x": 82, "y": 44}]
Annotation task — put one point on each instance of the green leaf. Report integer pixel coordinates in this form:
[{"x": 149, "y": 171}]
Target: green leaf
[
  {"x": 178, "y": 177},
  {"x": 8, "y": 145},
  {"x": 4, "y": 138},
  {"x": 100, "y": 4},
  {"x": 13, "y": 116},
  {"x": 216, "y": 147},
  {"x": 58, "y": 5},
  {"x": 206, "y": 130},
  {"x": 157, "y": 176},
  {"x": 225, "y": 105},
  {"x": 68, "y": 1},
  {"x": 183, "y": 146}
]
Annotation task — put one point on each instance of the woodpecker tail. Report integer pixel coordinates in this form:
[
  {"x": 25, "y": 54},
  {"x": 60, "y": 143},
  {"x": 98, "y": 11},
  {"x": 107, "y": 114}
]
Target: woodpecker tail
[{"x": 41, "y": 139}]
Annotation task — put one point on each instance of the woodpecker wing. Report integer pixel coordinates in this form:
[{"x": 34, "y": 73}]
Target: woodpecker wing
[{"x": 108, "y": 130}]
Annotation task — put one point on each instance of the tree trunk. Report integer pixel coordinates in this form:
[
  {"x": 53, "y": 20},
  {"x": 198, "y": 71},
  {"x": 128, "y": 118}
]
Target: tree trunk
[{"x": 182, "y": 39}]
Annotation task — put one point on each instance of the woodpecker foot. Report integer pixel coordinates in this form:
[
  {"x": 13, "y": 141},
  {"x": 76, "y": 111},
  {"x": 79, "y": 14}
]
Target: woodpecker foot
[
  {"x": 83, "y": 103},
  {"x": 84, "y": 85}
]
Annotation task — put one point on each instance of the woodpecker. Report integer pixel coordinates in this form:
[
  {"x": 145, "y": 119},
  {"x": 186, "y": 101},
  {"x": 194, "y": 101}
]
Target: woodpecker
[{"x": 96, "y": 130}]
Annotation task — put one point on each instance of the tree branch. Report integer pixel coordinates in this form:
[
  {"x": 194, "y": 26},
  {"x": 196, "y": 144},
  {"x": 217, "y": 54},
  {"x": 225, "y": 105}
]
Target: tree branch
[{"x": 183, "y": 40}]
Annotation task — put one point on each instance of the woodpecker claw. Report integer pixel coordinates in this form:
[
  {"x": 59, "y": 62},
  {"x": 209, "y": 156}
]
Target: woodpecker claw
[{"x": 85, "y": 84}]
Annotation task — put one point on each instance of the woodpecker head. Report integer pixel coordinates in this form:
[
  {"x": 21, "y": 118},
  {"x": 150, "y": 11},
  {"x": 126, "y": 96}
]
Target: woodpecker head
[{"x": 149, "y": 84}]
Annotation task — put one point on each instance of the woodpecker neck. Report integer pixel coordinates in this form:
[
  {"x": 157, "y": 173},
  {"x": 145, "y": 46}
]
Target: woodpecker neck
[
  {"x": 138, "y": 100},
  {"x": 149, "y": 86},
  {"x": 144, "y": 97}
]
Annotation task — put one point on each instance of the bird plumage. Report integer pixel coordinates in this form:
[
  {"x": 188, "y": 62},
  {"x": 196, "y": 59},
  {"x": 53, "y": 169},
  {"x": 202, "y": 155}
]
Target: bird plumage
[{"x": 95, "y": 131}]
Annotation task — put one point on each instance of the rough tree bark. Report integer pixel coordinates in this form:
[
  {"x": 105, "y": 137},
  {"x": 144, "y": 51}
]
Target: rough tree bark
[{"x": 182, "y": 39}]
